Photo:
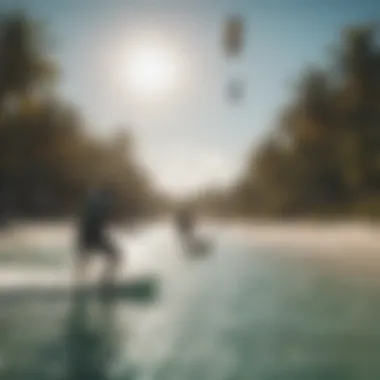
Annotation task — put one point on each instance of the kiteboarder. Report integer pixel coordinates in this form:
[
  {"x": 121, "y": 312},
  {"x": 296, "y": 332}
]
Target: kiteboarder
[{"x": 93, "y": 236}]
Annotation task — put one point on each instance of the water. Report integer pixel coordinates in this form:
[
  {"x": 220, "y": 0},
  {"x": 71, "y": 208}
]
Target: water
[{"x": 240, "y": 313}]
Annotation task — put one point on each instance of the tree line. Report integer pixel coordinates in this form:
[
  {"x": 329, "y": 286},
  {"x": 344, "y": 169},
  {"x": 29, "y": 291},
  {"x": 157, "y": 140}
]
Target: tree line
[
  {"x": 323, "y": 155},
  {"x": 48, "y": 160}
]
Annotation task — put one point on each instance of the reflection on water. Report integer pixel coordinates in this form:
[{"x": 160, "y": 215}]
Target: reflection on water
[
  {"x": 76, "y": 341},
  {"x": 91, "y": 339},
  {"x": 237, "y": 314}
]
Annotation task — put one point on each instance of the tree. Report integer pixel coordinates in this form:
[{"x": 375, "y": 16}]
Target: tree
[
  {"x": 25, "y": 66},
  {"x": 325, "y": 151},
  {"x": 48, "y": 161}
]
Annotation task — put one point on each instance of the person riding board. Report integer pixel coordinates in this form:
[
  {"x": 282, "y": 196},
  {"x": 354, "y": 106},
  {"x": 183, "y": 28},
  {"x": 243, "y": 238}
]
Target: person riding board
[
  {"x": 185, "y": 223},
  {"x": 92, "y": 234}
]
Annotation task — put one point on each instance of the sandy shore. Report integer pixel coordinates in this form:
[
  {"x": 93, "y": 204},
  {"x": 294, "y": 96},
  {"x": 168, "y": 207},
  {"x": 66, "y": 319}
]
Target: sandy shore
[
  {"x": 36, "y": 235},
  {"x": 319, "y": 236},
  {"x": 350, "y": 246},
  {"x": 346, "y": 237}
]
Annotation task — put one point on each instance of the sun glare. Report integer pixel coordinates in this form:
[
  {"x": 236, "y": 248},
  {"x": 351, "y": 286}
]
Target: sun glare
[{"x": 152, "y": 71}]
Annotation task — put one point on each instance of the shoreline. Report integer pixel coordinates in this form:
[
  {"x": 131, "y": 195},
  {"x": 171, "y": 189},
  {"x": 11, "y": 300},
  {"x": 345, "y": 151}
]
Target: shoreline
[
  {"x": 349, "y": 236},
  {"x": 345, "y": 247},
  {"x": 306, "y": 234}
]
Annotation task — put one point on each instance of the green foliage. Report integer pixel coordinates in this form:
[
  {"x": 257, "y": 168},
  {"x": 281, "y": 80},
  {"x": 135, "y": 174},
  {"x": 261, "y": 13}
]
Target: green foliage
[
  {"x": 332, "y": 133},
  {"x": 25, "y": 65},
  {"x": 324, "y": 154},
  {"x": 47, "y": 160}
]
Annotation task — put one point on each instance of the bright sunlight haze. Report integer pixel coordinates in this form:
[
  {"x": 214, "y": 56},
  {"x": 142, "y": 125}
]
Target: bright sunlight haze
[{"x": 151, "y": 70}]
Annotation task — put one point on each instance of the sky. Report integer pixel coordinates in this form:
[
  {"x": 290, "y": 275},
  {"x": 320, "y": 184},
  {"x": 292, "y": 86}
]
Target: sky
[{"x": 192, "y": 136}]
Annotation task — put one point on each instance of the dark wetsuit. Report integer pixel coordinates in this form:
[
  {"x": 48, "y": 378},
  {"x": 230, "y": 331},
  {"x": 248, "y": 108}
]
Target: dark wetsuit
[
  {"x": 92, "y": 228},
  {"x": 184, "y": 223}
]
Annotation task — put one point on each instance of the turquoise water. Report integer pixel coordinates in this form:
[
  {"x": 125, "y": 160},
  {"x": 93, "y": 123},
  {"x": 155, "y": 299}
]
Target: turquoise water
[{"x": 241, "y": 313}]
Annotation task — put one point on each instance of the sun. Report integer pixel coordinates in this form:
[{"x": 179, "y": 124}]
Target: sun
[{"x": 152, "y": 71}]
